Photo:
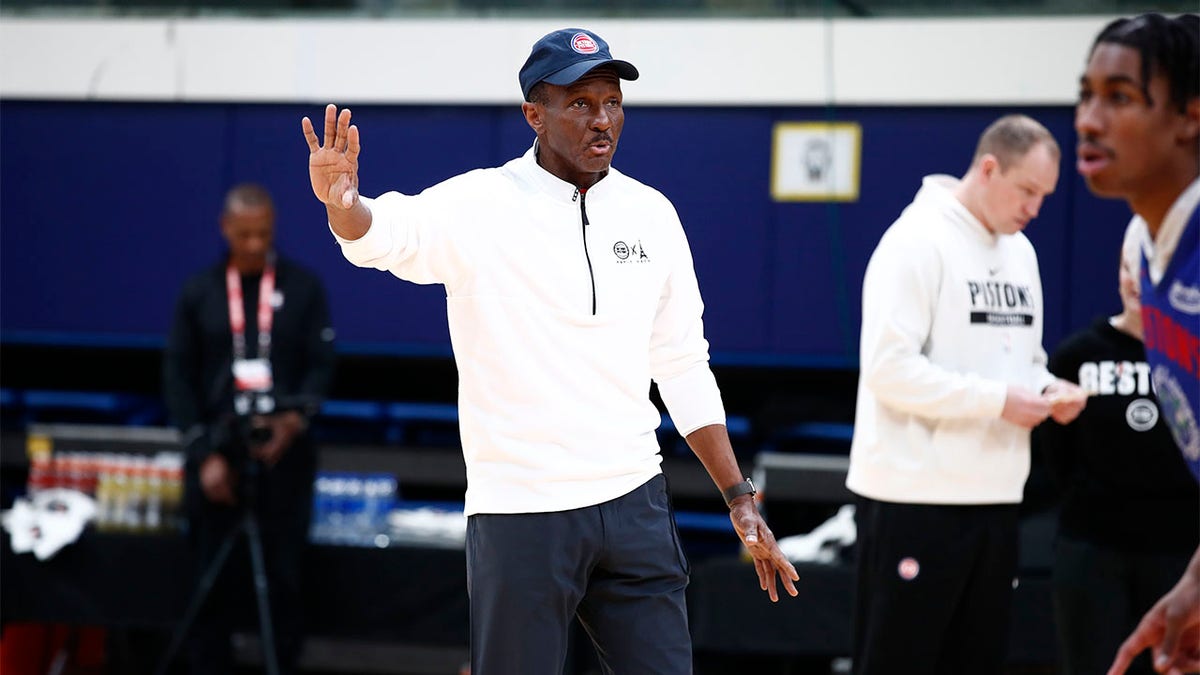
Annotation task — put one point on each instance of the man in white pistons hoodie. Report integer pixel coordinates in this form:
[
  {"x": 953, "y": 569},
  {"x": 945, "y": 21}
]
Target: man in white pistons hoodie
[
  {"x": 569, "y": 288},
  {"x": 953, "y": 377}
]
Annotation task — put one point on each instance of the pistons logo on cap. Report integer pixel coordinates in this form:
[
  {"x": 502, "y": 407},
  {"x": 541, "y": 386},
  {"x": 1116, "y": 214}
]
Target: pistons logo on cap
[
  {"x": 909, "y": 568},
  {"x": 584, "y": 43}
]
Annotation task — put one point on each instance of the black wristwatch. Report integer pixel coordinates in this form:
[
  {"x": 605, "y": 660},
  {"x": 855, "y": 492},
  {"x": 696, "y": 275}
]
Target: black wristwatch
[{"x": 745, "y": 487}]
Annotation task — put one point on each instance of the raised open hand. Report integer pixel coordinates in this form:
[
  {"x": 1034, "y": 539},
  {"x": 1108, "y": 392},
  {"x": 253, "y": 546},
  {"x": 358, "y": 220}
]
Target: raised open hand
[{"x": 333, "y": 165}]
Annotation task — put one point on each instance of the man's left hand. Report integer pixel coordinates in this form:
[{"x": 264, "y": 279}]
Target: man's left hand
[
  {"x": 769, "y": 560},
  {"x": 285, "y": 427}
]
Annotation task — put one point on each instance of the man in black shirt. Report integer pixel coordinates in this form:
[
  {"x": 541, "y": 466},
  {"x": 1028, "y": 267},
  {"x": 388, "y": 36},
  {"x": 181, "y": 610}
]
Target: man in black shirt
[{"x": 249, "y": 358}]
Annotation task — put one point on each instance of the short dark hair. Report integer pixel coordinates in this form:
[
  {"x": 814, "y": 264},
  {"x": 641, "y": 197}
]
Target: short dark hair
[
  {"x": 1167, "y": 46},
  {"x": 1011, "y": 137},
  {"x": 247, "y": 194},
  {"x": 537, "y": 93}
]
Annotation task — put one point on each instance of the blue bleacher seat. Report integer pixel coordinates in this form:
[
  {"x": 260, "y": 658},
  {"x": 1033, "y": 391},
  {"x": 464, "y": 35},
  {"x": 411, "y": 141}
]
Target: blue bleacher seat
[
  {"x": 439, "y": 412},
  {"x": 79, "y": 400},
  {"x": 810, "y": 437},
  {"x": 95, "y": 407},
  {"x": 708, "y": 522},
  {"x": 825, "y": 431},
  {"x": 434, "y": 424},
  {"x": 358, "y": 410},
  {"x": 346, "y": 421}
]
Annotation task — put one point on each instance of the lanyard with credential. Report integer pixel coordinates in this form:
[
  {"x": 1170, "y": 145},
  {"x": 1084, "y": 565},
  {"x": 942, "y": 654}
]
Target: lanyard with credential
[
  {"x": 251, "y": 375},
  {"x": 237, "y": 313}
]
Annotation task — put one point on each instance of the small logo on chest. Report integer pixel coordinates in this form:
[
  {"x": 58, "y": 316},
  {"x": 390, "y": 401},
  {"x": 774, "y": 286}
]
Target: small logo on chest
[{"x": 630, "y": 254}]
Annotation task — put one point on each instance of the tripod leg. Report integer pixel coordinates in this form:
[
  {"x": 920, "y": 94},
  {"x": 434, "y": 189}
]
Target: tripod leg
[
  {"x": 261, "y": 591},
  {"x": 198, "y": 597}
]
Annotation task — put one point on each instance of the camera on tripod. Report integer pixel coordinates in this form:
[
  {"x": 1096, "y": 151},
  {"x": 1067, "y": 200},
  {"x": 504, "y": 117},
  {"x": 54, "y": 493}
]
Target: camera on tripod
[{"x": 238, "y": 436}]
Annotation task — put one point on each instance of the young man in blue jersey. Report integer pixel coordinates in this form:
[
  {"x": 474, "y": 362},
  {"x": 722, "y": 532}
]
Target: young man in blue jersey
[{"x": 1138, "y": 121}]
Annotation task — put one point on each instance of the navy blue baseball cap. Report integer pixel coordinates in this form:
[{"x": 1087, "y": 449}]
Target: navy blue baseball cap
[{"x": 567, "y": 55}]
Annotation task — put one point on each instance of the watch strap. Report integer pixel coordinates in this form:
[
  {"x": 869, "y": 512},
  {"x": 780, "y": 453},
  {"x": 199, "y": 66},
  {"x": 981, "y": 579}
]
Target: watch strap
[{"x": 746, "y": 487}]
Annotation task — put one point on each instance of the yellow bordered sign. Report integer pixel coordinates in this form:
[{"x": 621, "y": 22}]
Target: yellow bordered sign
[{"x": 815, "y": 161}]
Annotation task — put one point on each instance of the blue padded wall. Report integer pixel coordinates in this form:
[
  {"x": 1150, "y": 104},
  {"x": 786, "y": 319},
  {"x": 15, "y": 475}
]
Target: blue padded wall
[{"x": 106, "y": 207}]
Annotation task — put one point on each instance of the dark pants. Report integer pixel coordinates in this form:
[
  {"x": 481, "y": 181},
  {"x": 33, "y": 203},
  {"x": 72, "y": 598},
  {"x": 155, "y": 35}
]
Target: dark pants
[
  {"x": 934, "y": 587},
  {"x": 1100, "y": 595},
  {"x": 618, "y": 566},
  {"x": 284, "y": 499}
]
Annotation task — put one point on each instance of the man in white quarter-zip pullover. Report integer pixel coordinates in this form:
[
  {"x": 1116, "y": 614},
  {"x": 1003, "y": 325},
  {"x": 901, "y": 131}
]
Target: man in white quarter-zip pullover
[
  {"x": 569, "y": 286},
  {"x": 953, "y": 378}
]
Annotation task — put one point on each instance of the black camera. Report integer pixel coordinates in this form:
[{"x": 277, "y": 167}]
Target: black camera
[
  {"x": 250, "y": 407},
  {"x": 256, "y": 433}
]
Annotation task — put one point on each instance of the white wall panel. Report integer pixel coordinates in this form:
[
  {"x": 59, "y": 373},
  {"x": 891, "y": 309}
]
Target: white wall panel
[{"x": 689, "y": 62}]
